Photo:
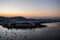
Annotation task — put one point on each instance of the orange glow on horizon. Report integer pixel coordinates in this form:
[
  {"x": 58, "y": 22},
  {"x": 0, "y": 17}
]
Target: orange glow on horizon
[{"x": 30, "y": 15}]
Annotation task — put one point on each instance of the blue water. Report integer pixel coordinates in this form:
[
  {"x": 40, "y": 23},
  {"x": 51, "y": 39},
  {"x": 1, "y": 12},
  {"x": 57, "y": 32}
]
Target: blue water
[{"x": 51, "y": 32}]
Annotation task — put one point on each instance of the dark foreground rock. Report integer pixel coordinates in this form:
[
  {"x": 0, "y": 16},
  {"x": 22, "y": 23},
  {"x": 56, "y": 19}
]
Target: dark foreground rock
[{"x": 23, "y": 27}]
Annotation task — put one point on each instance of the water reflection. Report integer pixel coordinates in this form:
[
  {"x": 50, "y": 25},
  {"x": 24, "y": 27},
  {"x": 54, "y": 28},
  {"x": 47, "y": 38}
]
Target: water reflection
[
  {"x": 50, "y": 32},
  {"x": 52, "y": 24}
]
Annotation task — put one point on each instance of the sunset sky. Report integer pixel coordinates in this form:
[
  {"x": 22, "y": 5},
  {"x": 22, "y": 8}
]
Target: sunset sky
[{"x": 37, "y": 8}]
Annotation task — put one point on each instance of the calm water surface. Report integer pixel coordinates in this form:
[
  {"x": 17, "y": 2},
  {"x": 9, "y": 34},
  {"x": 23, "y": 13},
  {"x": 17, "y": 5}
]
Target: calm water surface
[{"x": 51, "y": 32}]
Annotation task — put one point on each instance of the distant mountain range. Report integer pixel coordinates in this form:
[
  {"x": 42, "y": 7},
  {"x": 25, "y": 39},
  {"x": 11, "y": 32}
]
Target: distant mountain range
[
  {"x": 22, "y": 22},
  {"x": 44, "y": 17},
  {"x": 19, "y": 18}
]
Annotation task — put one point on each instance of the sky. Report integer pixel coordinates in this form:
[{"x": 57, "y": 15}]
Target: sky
[{"x": 30, "y": 8}]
